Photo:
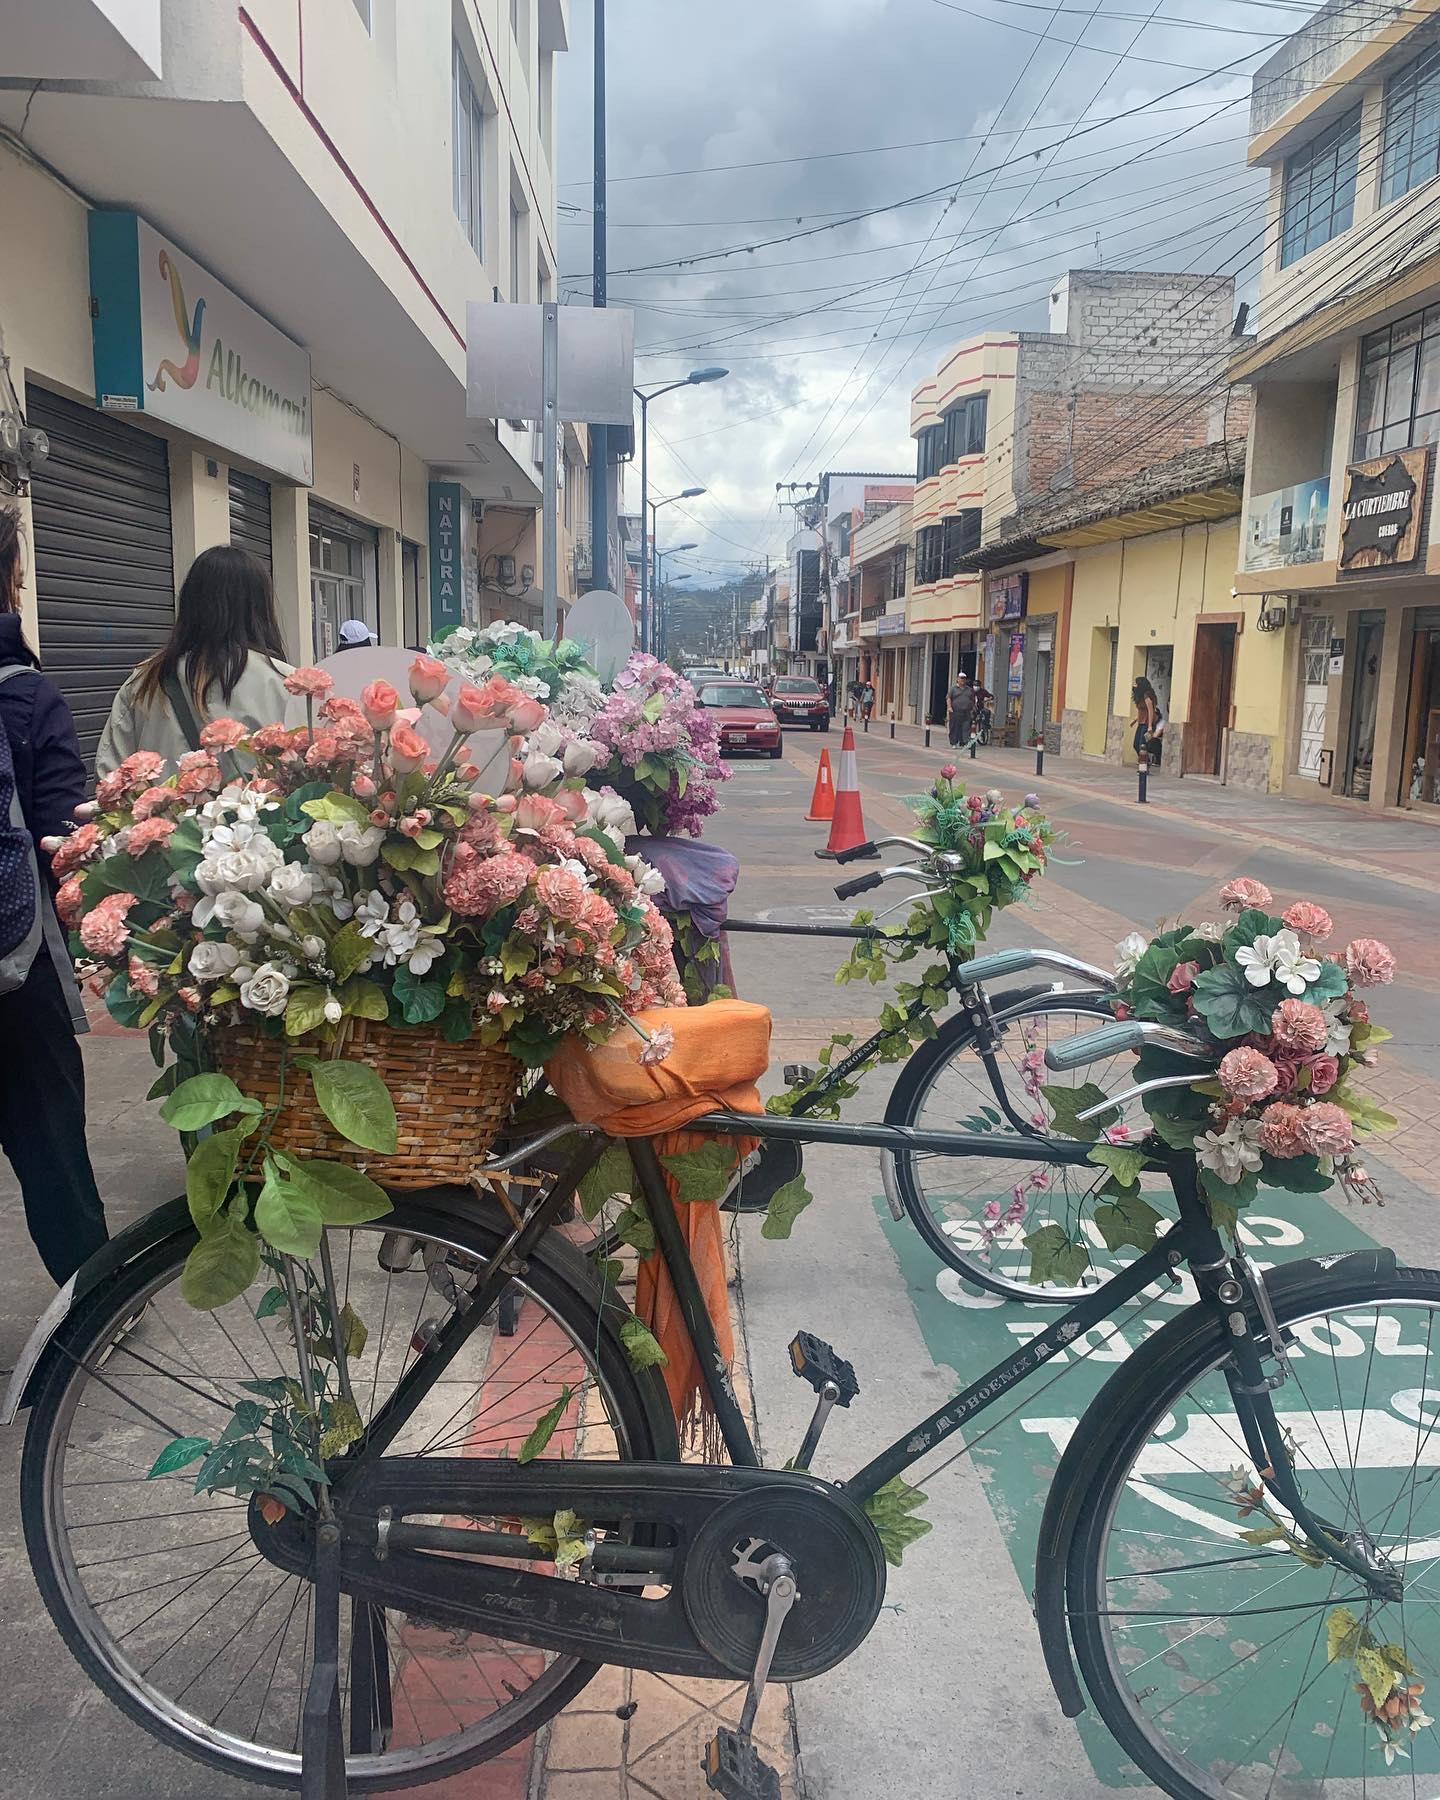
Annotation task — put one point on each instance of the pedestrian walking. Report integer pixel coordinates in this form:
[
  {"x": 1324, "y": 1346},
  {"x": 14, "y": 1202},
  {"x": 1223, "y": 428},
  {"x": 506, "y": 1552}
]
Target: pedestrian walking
[
  {"x": 223, "y": 660},
  {"x": 1149, "y": 720},
  {"x": 960, "y": 702},
  {"x": 867, "y": 700},
  {"x": 355, "y": 634},
  {"x": 42, "y": 1076}
]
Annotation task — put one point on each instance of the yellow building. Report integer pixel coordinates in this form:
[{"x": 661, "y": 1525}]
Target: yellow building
[{"x": 1136, "y": 579}]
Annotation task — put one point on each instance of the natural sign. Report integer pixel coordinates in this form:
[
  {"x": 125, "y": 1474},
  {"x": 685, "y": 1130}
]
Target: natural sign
[{"x": 1381, "y": 528}]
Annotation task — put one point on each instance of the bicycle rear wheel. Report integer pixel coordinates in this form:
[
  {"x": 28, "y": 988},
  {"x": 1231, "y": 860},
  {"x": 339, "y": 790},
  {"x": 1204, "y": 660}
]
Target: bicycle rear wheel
[
  {"x": 162, "y": 1594},
  {"x": 975, "y": 1212},
  {"x": 1223, "y": 1655}
]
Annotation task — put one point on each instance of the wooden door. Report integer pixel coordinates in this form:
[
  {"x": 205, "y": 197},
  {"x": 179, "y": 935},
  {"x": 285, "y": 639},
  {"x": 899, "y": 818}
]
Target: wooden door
[{"x": 1211, "y": 685}]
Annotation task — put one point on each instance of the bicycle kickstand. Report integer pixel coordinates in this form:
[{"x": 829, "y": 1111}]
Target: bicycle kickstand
[{"x": 322, "y": 1740}]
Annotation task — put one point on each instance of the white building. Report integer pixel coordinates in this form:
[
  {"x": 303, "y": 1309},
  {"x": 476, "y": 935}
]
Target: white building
[{"x": 261, "y": 224}]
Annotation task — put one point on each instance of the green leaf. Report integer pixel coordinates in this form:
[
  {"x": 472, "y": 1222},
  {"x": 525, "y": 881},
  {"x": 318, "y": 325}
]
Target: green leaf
[
  {"x": 421, "y": 999},
  {"x": 221, "y": 1266},
  {"x": 179, "y": 1453},
  {"x": 1055, "y": 1256},
  {"x": 1127, "y": 1220},
  {"x": 1330, "y": 984},
  {"x": 164, "y": 1083},
  {"x": 612, "y": 1174},
  {"x": 344, "y": 1195},
  {"x": 543, "y": 1429},
  {"x": 402, "y": 853},
  {"x": 364, "y": 1000},
  {"x": 1362, "y": 1109},
  {"x": 1066, "y": 1102},
  {"x": 338, "y": 809},
  {"x": 1253, "y": 922},
  {"x": 203, "y": 1099},
  {"x": 272, "y": 1301},
  {"x": 356, "y": 1102},
  {"x": 1223, "y": 1217},
  {"x": 641, "y": 1345},
  {"x": 1178, "y": 1133},
  {"x": 210, "y": 1174},
  {"x": 1231, "y": 1193},
  {"x": 703, "y": 1173},
  {"x": 891, "y": 1510},
  {"x": 287, "y": 1214},
  {"x": 1375, "y": 1671},
  {"x": 1297, "y": 1174},
  {"x": 1150, "y": 996},
  {"x": 343, "y": 1429},
  {"x": 786, "y": 1205},
  {"x": 1228, "y": 1003},
  {"x": 305, "y": 1009},
  {"x": 1126, "y": 1161},
  {"x": 1265, "y": 1534},
  {"x": 634, "y": 1228}
]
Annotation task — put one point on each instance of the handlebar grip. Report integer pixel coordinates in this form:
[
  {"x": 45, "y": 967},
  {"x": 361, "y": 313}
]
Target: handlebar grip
[
  {"x": 1109, "y": 1040},
  {"x": 855, "y": 852},
  {"x": 862, "y": 884},
  {"x": 999, "y": 963}
]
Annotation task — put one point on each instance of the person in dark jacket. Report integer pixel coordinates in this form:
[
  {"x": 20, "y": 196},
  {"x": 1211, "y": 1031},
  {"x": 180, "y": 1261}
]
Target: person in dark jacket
[{"x": 42, "y": 1076}]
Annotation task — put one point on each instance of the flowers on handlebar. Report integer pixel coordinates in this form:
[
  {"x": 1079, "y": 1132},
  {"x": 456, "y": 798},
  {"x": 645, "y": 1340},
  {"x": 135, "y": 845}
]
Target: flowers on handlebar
[{"x": 1286, "y": 1031}]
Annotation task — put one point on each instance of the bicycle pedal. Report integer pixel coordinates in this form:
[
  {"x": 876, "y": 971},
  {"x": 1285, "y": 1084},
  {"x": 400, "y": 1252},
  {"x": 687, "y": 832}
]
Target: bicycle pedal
[
  {"x": 816, "y": 1362},
  {"x": 733, "y": 1768},
  {"x": 797, "y": 1073}
]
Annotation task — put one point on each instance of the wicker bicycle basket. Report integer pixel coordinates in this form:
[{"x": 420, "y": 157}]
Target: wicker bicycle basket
[{"x": 450, "y": 1099}]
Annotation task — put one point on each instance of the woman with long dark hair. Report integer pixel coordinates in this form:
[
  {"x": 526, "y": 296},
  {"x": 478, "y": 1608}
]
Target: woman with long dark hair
[
  {"x": 223, "y": 660},
  {"x": 42, "y": 1077},
  {"x": 1149, "y": 720}
]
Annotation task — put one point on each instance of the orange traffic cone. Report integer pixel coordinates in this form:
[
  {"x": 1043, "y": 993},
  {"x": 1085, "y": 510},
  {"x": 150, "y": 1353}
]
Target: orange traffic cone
[
  {"x": 822, "y": 801},
  {"x": 847, "y": 827}
]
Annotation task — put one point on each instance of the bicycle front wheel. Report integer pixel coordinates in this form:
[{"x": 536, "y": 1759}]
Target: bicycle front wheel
[
  {"x": 165, "y": 1597},
  {"x": 1229, "y": 1660},
  {"x": 975, "y": 1212}
]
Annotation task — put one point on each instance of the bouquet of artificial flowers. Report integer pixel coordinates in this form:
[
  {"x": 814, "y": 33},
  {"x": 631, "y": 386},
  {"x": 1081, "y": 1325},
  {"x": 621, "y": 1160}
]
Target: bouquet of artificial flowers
[{"x": 659, "y": 749}]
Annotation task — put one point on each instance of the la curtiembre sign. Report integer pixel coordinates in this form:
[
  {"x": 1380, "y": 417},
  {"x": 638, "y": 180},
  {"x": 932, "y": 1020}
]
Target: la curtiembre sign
[{"x": 1384, "y": 500}]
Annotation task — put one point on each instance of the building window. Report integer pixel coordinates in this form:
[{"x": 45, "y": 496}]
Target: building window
[
  {"x": 929, "y": 550},
  {"x": 931, "y": 456},
  {"x": 962, "y": 535},
  {"x": 546, "y": 102},
  {"x": 965, "y": 428},
  {"x": 363, "y": 8},
  {"x": 1412, "y": 126},
  {"x": 1399, "y": 394},
  {"x": 468, "y": 132},
  {"x": 900, "y": 568},
  {"x": 1320, "y": 189},
  {"x": 517, "y": 253}
]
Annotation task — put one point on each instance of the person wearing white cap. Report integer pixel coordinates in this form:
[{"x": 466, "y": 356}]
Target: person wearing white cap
[{"x": 355, "y": 634}]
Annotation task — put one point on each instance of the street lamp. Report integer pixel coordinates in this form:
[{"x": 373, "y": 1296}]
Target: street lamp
[
  {"x": 660, "y": 556},
  {"x": 690, "y": 493},
  {"x": 695, "y": 378}
]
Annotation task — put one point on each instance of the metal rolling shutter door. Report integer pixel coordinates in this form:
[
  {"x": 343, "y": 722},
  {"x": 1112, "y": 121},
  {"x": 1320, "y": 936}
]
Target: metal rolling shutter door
[
  {"x": 250, "y": 514},
  {"x": 104, "y": 573}
]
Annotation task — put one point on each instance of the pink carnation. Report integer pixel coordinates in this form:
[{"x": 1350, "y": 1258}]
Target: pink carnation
[
  {"x": 1368, "y": 963},
  {"x": 1324, "y": 1073},
  {"x": 341, "y": 709},
  {"x": 1326, "y": 1130},
  {"x": 110, "y": 790},
  {"x": 1313, "y": 920},
  {"x": 144, "y": 977},
  {"x": 1280, "y": 1133},
  {"x": 156, "y": 800},
  {"x": 103, "y": 930},
  {"x": 561, "y": 892},
  {"x": 309, "y": 683},
  {"x": 326, "y": 747},
  {"x": 483, "y": 884},
  {"x": 1247, "y": 1074},
  {"x": 141, "y": 768},
  {"x": 69, "y": 901},
  {"x": 1242, "y": 893},
  {"x": 149, "y": 833},
  {"x": 222, "y": 734},
  {"x": 1299, "y": 1025},
  {"x": 199, "y": 773},
  {"x": 598, "y": 915},
  {"x": 78, "y": 848}
]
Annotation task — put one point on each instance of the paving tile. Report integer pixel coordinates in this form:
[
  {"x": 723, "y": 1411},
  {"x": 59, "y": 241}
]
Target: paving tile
[{"x": 586, "y": 1740}]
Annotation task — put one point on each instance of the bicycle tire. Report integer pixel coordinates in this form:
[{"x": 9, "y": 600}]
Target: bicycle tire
[
  {"x": 907, "y": 1102},
  {"x": 1124, "y": 1417},
  {"x": 557, "y": 1276}
]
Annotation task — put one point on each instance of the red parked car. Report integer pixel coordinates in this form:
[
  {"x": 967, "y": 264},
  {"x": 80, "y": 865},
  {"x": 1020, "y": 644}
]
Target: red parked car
[
  {"x": 798, "y": 700},
  {"x": 744, "y": 720}
]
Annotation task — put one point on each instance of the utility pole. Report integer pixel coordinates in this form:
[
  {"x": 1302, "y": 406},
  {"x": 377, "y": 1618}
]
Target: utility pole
[{"x": 599, "y": 434}]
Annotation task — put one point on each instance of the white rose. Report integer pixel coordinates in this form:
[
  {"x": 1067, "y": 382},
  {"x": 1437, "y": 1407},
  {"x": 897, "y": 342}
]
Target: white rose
[
  {"x": 238, "y": 913},
  {"x": 647, "y": 880},
  {"x": 212, "y": 961},
  {"x": 207, "y": 877},
  {"x": 313, "y": 948},
  {"x": 611, "y": 814},
  {"x": 266, "y": 991},
  {"x": 334, "y": 1012},
  {"x": 322, "y": 841},
  {"x": 547, "y": 739},
  {"x": 541, "y": 771},
  {"x": 292, "y": 884},
  {"x": 360, "y": 844},
  {"x": 580, "y": 756}
]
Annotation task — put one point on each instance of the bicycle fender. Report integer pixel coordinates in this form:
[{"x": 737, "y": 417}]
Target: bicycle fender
[{"x": 139, "y": 1236}]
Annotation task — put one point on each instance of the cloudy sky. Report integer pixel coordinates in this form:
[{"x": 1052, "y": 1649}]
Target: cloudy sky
[{"x": 822, "y": 195}]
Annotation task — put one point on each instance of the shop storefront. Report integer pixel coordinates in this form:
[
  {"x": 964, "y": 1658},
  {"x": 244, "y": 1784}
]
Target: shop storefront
[{"x": 344, "y": 563}]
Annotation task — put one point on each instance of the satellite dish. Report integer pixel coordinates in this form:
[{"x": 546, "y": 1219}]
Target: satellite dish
[
  {"x": 354, "y": 670},
  {"x": 600, "y": 621}
]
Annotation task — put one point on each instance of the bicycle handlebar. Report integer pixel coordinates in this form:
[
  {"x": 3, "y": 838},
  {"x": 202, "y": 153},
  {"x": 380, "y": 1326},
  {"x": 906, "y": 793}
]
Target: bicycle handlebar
[
  {"x": 1113, "y": 1040},
  {"x": 862, "y": 884},
  {"x": 855, "y": 852}
]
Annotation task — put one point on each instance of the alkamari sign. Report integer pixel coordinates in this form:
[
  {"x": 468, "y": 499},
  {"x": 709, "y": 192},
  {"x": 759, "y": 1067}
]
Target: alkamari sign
[{"x": 1383, "y": 506}]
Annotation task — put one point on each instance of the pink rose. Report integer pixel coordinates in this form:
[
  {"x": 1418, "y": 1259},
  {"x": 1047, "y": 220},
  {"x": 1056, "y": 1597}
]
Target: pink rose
[
  {"x": 1326, "y": 1130},
  {"x": 561, "y": 892},
  {"x": 525, "y": 714},
  {"x": 1299, "y": 1025},
  {"x": 1247, "y": 1074},
  {"x": 1121, "y": 1010},
  {"x": 428, "y": 679},
  {"x": 1182, "y": 977},
  {"x": 1324, "y": 1073},
  {"x": 571, "y": 802},
  {"x": 1242, "y": 893},
  {"x": 408, "y": 750},
  {"x": 1287, "y": 1073},
  {"x": 379, "y": 702},
  {"x": 222, "y": 734},
  {"x": 1313, "y": 920},
  {"x": 1280, "y": 1129},
  {"x": 309, "y": 683},
  {"x": 948, "y": 771},
  {"x": 362, "y": 787},
  {"x": 535, "y": 812},
  {"x": 475, "y": 706},
  {"x": 1368, "y": 963}
]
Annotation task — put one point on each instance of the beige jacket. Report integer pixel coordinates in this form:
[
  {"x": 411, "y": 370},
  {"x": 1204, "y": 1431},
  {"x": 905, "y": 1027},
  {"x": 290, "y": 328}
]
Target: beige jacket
[{"x": 258, "y": 698}]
